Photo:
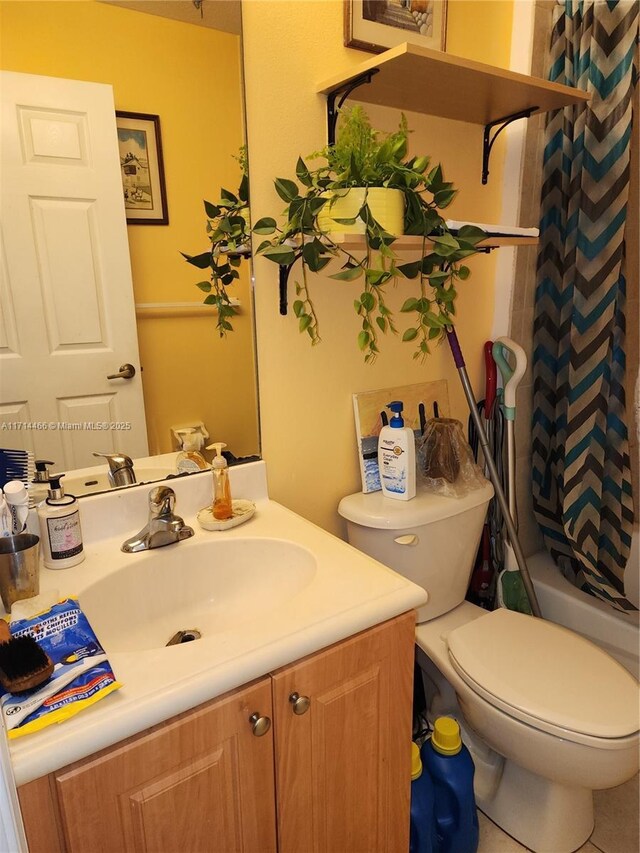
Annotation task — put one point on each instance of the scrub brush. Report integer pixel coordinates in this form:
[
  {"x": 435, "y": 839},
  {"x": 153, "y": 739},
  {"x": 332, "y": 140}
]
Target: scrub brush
[{"x": 23, "y": 664}]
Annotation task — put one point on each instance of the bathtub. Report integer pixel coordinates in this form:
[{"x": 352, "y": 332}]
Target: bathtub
[{"x": 616, "y": 632}]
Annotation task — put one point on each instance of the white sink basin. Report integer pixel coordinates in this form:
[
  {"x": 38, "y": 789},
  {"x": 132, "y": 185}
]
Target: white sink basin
[
  {"x": 89, "y": 481},
  {"x": 263, "y": 595},
  {"x": 212, "y": 587}
]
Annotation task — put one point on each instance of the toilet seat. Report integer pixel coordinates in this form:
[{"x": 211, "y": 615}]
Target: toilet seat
[{"x": 547, "y": 677}]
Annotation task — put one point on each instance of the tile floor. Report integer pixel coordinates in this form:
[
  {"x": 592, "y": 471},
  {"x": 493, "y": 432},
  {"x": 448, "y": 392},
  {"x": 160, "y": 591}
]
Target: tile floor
[{"x": 616, "y": 830}]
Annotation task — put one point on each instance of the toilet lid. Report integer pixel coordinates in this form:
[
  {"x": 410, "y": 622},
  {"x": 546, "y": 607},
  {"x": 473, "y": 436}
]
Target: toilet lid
[{"x": 545, "y": 675}]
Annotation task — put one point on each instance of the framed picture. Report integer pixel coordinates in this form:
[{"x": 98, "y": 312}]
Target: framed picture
[
  {"x": 377, "y": 25},
  {"x": 140, "y": 146}
]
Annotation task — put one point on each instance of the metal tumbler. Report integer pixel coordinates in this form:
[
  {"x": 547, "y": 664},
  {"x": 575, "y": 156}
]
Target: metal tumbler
[{"x": 19, "y": 570}]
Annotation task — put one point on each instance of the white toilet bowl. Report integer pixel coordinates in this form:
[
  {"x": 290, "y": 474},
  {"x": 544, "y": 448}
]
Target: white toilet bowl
[
  {"x": 547, "y": 758},
  {"x": 548, "y": 716}
]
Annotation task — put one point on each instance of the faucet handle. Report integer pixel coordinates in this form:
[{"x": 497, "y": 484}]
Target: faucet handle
[{"x": 162, "y": 501}]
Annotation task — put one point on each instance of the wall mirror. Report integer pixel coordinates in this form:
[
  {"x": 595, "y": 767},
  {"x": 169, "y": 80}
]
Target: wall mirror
[{"x": 64, "y": 292}]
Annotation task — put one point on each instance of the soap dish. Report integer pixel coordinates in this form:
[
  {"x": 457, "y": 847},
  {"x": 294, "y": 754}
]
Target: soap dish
[{"x": 242, "y": 511}]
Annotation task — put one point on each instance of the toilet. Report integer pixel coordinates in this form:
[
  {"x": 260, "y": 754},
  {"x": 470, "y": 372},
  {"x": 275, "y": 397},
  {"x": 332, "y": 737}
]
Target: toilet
[{"x": 548, "y": 716}]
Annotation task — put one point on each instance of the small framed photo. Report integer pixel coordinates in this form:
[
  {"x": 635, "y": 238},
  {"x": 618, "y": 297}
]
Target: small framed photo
[
  {"x": 142, "y": 169},
  {"x": 377, "y": 25}
]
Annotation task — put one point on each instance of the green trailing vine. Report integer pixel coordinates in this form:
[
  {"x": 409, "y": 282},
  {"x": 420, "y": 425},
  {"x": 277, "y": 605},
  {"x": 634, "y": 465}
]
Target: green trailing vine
[
  {"x": 363, "y": 157},
  {"x": 228, "y": 229}
]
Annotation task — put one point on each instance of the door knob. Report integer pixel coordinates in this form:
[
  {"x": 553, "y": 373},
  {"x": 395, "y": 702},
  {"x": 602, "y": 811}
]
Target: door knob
[
  {"x": 300, "y": 703},
  {"x": 259, "y": 725},
  {"x": 127, "y": 371}
]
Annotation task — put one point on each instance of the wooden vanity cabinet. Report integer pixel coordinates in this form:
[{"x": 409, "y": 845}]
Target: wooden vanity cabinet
[
  {"x": 201, "y": 781},
  {"x": 332, "y": 773}
]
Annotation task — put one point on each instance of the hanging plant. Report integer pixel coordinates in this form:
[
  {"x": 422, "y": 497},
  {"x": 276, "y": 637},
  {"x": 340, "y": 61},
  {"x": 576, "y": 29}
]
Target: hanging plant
[
  {"x": 229, "y": 230},
  {"x": 366, "y": 159}
]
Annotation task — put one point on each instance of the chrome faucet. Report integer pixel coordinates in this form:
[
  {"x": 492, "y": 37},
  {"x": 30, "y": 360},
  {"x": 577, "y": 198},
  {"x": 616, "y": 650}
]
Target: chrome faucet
[
  {"x": 121, "y": 471},
  {"x": 164, "y": 526}
]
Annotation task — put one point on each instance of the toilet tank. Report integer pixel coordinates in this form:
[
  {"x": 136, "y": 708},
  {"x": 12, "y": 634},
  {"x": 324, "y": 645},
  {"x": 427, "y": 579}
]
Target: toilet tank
[{"x": 432, "y": 540}]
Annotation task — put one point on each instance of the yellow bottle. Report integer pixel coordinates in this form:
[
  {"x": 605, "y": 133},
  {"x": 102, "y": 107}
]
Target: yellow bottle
[{"x": 222, "y": 508}]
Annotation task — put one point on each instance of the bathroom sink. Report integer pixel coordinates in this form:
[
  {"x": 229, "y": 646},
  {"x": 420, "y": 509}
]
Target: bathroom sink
[
  {"x": 212, "y": 587},
  {"x": 94, "y": 480}
]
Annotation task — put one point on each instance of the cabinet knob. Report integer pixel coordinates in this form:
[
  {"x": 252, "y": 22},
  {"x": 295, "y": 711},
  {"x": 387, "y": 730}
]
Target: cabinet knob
[
  {"x": 300, "y": 703},
  {"x": 259, "y": 725}
]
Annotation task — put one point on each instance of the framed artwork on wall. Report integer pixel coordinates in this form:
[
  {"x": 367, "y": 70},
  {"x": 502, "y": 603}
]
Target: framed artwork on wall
[
  {"x": 142, "y": 168},
  {"x": 377, "y": 25}
]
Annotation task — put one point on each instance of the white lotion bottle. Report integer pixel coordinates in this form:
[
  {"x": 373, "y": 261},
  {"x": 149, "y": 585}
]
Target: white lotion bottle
[
  {"x": 60, "y": 530},
  {"x": 397, "y": 457}
]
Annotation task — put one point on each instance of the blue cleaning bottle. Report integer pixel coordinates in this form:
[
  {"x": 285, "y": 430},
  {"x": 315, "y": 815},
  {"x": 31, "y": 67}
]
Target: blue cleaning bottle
[
  {"x": 422, "y": 834},
  {"x": 451, "y": 769}
]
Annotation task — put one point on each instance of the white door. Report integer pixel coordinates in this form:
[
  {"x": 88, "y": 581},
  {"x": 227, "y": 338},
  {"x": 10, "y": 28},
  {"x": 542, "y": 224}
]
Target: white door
[{"x": 67, "y": 316}]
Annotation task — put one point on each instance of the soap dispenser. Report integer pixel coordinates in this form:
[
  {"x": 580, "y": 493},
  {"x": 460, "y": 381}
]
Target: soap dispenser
[
  {"x": 39, "y": 486},
  {"x": 222, "y": 508},
  {"x": 60, "y": 530},
  {"x": 397, "y": 457},
  {"x": 190, "y": 459}
]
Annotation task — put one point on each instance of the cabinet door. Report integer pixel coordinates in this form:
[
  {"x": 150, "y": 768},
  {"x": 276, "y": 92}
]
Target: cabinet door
[
  {"x": 203, "y": 782},
  {"x": 343, "y": 771}
]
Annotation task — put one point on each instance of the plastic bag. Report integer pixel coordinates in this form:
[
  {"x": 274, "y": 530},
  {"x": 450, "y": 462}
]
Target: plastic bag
[
  {"x": 82, "y": 674},
  {"x": 445, "y": 461}
]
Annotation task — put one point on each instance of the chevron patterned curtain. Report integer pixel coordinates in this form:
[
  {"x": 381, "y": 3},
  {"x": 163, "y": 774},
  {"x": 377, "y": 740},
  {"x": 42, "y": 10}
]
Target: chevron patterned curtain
[{"x": 581, "y": 478}]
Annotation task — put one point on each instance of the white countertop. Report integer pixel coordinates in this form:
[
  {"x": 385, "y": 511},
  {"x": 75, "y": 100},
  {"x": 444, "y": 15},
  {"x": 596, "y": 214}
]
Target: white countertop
[{"x": 349, "y": 592}]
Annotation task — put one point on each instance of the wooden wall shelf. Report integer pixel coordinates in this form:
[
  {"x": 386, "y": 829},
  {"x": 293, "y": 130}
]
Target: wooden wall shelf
[
  {"x": 405, "y": 243},
  {"x": 417, "y": 79}
]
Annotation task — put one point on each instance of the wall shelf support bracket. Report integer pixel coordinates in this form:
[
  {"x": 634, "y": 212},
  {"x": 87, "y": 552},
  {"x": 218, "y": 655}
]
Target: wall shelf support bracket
[
  {"x": 283, "y": 278},
  {"x": 343, "y": 91},
  {"x": 488, "y": 140}
]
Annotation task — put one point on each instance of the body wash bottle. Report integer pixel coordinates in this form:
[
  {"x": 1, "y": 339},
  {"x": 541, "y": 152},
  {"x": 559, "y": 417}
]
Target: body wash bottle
[
  {"x": 60, "y": 531},
  {"x": 397, "y": 457},
  {"x": 222, "y": 508}
]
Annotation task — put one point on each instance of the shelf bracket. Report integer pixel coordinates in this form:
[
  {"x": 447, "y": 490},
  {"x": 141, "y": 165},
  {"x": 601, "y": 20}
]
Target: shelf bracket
[
  {"x": 340, "y": 94},
  {"x": 283, "y": 278},
  {"x": 488, "y": 140},
  {"x": 344, "y": 91}
]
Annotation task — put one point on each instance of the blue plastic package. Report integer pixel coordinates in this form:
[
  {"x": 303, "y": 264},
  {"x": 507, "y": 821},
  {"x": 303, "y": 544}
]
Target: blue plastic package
[{"x": 82, "y": 674}]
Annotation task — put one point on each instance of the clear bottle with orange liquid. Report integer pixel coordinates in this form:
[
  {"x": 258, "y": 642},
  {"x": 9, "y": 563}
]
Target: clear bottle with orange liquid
[{"x": 222, "y": 508}]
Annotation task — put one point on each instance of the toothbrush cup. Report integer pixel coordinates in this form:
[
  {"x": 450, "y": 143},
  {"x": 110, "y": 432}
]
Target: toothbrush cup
[{"x": 19, "y": 570}]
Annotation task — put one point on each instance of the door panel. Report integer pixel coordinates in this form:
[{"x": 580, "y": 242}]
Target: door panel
[
  {"x": 343, "y": 780},
  {"x": 202, "y": 782},
  {"x": 67, "y": 306}
]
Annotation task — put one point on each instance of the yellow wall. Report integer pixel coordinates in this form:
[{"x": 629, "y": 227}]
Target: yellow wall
[
  {"x": 308, "y": 438},
  {"x": 190, "y": 77}
]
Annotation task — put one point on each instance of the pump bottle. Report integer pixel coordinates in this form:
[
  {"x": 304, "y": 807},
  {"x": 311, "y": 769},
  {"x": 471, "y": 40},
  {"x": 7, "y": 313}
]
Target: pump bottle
[
  {"x": 397, "y": 457},
  {"x": 38, "y": 488},
  {"x": 222, "y": 508},
  {"x": 190, "y": 459},
  {"x": 60, "y": 530}
]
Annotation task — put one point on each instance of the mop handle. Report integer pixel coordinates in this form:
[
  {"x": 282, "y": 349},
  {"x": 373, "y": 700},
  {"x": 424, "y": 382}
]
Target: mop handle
[
  {"x": 454, "y": 344},
  {"x": 511, "y": 376}
]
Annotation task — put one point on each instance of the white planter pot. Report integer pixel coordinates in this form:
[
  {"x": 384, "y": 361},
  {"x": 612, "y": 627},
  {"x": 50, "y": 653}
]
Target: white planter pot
[{"x": 386, "y": 205}]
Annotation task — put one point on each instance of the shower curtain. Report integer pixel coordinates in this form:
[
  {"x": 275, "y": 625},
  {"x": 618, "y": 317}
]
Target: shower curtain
[{"x": 580, "y": 453}]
